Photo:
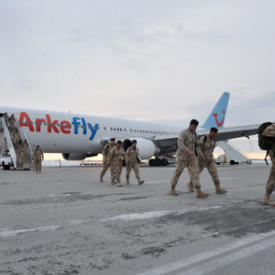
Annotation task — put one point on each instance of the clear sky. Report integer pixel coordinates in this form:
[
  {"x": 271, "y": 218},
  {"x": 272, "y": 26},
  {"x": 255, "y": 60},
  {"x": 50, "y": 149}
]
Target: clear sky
[{"x": 158, "y": 60}]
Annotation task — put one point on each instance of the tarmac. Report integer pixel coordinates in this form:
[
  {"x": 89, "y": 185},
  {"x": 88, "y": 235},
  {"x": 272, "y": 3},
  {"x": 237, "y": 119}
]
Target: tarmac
[{"x": 65, "y": 222}]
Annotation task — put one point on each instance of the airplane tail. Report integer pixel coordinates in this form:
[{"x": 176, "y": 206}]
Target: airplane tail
[{"x": 218, "y": 114}]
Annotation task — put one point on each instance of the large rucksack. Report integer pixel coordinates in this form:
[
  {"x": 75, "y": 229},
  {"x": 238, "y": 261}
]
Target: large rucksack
[{"x": 265, "y": 143}]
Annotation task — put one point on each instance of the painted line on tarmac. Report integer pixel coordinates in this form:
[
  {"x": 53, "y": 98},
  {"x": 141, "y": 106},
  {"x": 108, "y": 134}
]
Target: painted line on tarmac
[
  {"x": 156, "y": 214},
  {"x": 156, "y": 181},
  {"x": 211, "y": 260},
  {"x": 5, "y": 233}
]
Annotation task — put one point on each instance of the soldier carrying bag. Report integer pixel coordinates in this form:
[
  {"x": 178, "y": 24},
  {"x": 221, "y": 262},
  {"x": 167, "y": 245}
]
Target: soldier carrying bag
[{"x": 266, "y": 143}]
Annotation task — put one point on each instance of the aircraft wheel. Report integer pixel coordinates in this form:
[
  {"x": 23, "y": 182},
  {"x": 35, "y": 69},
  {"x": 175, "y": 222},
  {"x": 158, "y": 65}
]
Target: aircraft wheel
[
  {"x": 152, "y": 162},
  {"x": 164, "y": 162}
]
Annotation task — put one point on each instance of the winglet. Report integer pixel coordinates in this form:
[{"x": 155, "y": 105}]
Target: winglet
[{"x": 218, "y": 114}]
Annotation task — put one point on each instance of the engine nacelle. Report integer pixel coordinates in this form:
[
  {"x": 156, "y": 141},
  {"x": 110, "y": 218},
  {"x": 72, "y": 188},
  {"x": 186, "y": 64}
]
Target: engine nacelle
[
  {"x": 75, "y": 156},
  {"x": 147, "y": 148}
]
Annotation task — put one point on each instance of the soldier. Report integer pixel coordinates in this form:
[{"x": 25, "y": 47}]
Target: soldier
[
  {"x": 15, "y": 139},
  {"x": 21, "y": 154},
  {"x": 116, "y": 157},
  {"x": 106, "y": 152},
  {"x": 207, "y": 145},
  {"x": 270, "y": 185},
  {"x": 38, "y": 158},
  {"x": 6, "y": 118},
  {"x": 186, "y": 158},
  {"x": 11, "y": 123},
  {"x": 132, "y": 162}
]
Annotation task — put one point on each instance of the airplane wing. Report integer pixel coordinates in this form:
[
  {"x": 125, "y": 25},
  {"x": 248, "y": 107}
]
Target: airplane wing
[
  {"x": 237, "y": 132},
  {"x": 168, "y": 145}
]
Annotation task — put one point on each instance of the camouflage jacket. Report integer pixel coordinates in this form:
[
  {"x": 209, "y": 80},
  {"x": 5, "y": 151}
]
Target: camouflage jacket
[{"x": 132, "y": 154}]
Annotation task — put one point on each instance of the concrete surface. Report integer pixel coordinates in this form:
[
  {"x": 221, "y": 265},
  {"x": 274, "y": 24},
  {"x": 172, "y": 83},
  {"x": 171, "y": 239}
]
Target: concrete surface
[{"x": 66, "y": 222}]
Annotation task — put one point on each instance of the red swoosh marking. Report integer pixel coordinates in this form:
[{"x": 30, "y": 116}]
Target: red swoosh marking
[{"x": 217, "y": 121}]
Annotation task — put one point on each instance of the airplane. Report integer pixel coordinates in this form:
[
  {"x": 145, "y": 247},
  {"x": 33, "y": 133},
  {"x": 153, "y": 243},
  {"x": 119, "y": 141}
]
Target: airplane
[{"x": 80, "y": 136}]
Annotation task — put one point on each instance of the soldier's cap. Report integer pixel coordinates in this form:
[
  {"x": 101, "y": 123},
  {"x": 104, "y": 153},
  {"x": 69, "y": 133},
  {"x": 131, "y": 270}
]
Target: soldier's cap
[
  {"x": 118, "y": 142},
  {"x": 112, "y": 139},
  {"x": 214, "y": 129},
  {"x": 134, "y": 141},
  {"x": 194, "y": 122}
]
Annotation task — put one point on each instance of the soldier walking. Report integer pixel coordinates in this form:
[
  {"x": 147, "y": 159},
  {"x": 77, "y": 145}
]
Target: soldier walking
[
  {"x": 267, "y": 142},
  {"x": 207, "y": 145},
  {"x": 16, "y": 139},
  {"x": 106, "y": 153},
  {"x": 38, "y": 158},
  {"x": 117, "y": 155},
  {"x": 186, "y": 158},
  {"x": 132, "y": 162},
  {"x": 22, "y": 153}
]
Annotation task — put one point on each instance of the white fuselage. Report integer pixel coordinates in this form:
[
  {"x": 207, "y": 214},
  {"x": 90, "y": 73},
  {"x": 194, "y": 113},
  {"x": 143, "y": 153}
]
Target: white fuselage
[{"x": 58, "y": 132}]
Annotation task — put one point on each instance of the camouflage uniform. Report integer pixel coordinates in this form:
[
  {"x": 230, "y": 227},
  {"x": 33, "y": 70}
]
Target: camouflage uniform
[
  {"x": 121, "y": 163},
  {"x": 11, "y": 123},
  {"x": 270, "y": 185},
  {"x": 132, "y": 155},
  {"x": 271, "y": 179},
  {"x": 16, "y": 139},
  {"x": 207, "y": 146},
  {"x": 187, "y": 141},
  {"x": 37, "y": 158},
  {"x": 24, "y": 160},
  {"x": 106, "y": 164},
  {"x": 116, "y": 160},
  {"x": 21, "y": 154}
]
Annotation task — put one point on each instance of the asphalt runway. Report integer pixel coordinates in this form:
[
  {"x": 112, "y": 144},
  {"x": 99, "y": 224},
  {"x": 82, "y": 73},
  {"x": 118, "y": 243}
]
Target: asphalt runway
[{"x": 66, "y": 222}]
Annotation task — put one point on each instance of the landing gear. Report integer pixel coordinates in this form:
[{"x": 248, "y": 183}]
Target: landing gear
[
  {"x": 233, "y": 162},
  {"x": 158, "y": 162}
]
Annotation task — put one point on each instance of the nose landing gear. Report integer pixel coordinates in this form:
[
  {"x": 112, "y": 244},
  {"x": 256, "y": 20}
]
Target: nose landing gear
[{"x": 157, "y": 162}]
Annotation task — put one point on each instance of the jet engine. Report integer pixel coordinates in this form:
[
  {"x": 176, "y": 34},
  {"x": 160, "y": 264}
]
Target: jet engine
[
  {"x": 75, "y": 156},
  {"x": 147, "y": 148}
]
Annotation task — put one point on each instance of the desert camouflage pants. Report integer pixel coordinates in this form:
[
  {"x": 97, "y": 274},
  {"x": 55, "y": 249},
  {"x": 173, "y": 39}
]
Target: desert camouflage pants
[
  {"x": 105, "y": 167},
  {"x": 135, "y": 167},
  {"x": 37, "y": 166},
  {"x": 193, "y": 169},
  {"x": 270, "y": 185},
  {"x": 115, "y": 169},
  {"x": 212, "y": 170},
  {"x": 120, "y": 168}
]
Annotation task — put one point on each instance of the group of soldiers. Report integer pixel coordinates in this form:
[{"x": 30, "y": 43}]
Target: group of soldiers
[
  {"x": 192, "y": 153},
  {"x": 196, "y": 155},
  {"x": 114, "y": 156},
  {"x": 21, "y": 147}
]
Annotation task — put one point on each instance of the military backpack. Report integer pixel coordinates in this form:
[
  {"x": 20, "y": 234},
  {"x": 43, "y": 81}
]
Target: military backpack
[{"x": 265, "y": 143}]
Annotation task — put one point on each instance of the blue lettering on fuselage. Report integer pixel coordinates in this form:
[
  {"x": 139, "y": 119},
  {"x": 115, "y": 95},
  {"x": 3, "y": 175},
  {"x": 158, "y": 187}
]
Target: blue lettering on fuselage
[{"x": 92, "y": 128}]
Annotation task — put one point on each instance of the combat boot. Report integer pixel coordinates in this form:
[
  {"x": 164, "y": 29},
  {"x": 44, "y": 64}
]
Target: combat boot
[
  {"x": 190, "y": 187},
  {"x": 219, "y": 190},
  {"x": 101, "y": 179},
  {"x": 141, "y": 182},
  {"x": 173, "y": 192},
  {"x": 267, "y": 200},
  {"x": 200, "y": 194}
]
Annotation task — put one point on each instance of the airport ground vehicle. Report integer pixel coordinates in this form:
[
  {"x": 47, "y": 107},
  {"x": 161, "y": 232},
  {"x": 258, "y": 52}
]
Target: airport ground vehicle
[{"x": 5, "y": 159}]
